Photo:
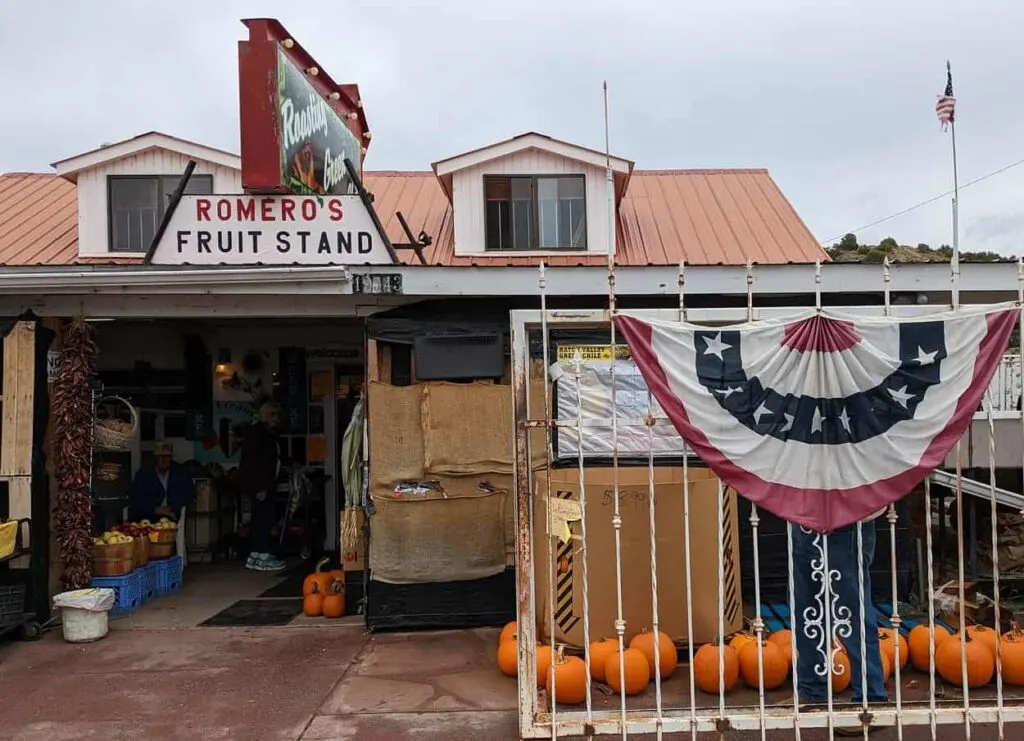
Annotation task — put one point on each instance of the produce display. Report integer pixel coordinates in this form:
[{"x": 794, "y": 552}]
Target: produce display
[
  {"x": 72, "y": 418},
  {"x": 323, "y": 592},
  {"x": 764, "y": 663},
  {"x": 112, "y": 537}
]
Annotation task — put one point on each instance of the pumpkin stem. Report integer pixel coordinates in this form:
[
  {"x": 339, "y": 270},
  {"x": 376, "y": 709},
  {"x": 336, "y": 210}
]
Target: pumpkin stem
[
  {"x": 560, "y": 654},
  {"x": 320, "y": 564}
]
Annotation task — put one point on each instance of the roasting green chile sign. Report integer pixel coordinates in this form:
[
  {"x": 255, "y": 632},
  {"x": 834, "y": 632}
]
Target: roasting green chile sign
[{"x": 314, "y": 139}]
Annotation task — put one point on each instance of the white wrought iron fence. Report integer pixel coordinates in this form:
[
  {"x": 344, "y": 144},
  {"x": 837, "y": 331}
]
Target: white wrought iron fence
[{"x": 640, "y": 547}]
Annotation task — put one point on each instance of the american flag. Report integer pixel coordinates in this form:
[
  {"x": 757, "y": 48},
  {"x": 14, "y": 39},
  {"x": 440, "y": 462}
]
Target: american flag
[{"x": 946, "y": 104}]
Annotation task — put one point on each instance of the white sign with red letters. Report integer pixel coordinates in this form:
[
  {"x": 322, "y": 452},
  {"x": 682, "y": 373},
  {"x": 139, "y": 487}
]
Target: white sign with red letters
[{"x": 271, "y": 230}]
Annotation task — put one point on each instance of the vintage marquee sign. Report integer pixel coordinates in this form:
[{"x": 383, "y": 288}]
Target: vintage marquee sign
[
  {"x": 297, "y": 125},
  {"x": 272, "y": 230}
]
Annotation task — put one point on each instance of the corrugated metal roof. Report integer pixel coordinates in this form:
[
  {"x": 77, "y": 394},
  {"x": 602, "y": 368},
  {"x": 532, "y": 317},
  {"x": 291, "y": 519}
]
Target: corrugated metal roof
[{"x": 702, "y": 216}]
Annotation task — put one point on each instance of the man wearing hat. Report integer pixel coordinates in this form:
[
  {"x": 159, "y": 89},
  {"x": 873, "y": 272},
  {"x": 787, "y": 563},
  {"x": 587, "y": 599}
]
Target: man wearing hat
[{"x": 162, "y": 488}]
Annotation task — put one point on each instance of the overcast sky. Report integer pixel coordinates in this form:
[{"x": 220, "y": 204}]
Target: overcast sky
[{"x": 835, "y": 98}]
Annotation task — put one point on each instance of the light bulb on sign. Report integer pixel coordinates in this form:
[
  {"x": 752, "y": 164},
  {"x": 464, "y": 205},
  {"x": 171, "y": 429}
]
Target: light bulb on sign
[
  {"x": 335, "y": 95},
  {"x": 313, "y": 71},
  {"x": 288, "y": 43},
  {"x": 366, "y": 134},
  {"x": 353, "y": 116}
]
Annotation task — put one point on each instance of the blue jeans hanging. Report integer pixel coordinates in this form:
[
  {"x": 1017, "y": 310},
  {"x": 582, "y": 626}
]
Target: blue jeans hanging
[{"x": 809, "y": 621}]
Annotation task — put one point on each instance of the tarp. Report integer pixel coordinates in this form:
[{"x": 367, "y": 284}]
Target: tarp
[{"x": 824, "y": 417}]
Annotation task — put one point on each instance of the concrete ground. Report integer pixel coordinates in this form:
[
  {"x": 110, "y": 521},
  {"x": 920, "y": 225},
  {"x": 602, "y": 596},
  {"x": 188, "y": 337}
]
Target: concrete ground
[{"x": 158, "y": 676}]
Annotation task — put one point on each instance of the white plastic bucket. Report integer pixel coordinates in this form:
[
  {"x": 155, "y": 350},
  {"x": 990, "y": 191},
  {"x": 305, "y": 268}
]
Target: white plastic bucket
[
  {"x": 82, "y": 626},
  {"x": 83, "y": 613}
]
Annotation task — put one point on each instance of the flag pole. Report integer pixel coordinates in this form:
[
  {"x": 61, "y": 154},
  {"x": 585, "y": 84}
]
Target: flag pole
[{"x": 956, "y": 205}]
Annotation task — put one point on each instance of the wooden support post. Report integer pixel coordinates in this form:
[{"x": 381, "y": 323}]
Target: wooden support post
[
  {"x": 19, "y": 396},
  {"x": 55, "y": 566}
]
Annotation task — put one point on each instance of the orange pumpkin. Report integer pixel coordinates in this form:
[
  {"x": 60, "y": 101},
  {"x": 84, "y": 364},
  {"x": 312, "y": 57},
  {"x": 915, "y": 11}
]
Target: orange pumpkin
[
  {"x": 706, "y": 664},
  {"x": 774, "y": 664},
  {"x": 334, "y": 601},
  {"x": 508, "y": 657},
  {"x": 313, "y": 603},
  {"x": 636, "y": 670},
  {"x": 543, "y": 665},
  {"x": 599, "y": 653},
  {"x": 887, "y": 645},
  {"x": 667, "y": 656},
  {"x": 321, "y": 579},
  {"x": 509, "y": 631},
  {"x": 740, "y": 640},
  {"x": 984, "y": 635},
  {"x": 842, "y": 672},
  {"x": 570, "y": 675},
  {"x": 784, "y": 640},
  {"x": 920, "y": 642},
  {"x": 981, "y": 662},
  {"x": 886, "y": 667},
  {"x": 1011, "y": 647}
]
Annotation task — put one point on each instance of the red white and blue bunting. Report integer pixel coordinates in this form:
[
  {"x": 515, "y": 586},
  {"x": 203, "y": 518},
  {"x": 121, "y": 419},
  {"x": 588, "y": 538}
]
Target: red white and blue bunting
[{"x": 822, "y": 418}]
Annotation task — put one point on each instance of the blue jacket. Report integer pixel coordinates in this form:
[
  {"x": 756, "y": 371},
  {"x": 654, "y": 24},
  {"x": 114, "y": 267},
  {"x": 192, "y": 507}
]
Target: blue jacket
[{"x": 148, "y": 492}]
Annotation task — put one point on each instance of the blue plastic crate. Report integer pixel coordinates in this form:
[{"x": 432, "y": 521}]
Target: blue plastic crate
[
  {"x": 148, "y": 581},
  {"x": 168, "y": 575},
  {"x": 127, "y": 591}
]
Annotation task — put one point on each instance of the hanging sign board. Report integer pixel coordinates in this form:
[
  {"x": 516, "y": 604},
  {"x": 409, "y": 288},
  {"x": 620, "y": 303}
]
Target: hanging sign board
[
  {"x": 271, "y": 230},
  {"x": 52, "y": 365}
]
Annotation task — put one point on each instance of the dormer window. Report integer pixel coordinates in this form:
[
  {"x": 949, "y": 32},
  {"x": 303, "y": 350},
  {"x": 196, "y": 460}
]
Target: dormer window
[
  {"x": 537, "y": 212},
  {"x": 137, "y": 204}
]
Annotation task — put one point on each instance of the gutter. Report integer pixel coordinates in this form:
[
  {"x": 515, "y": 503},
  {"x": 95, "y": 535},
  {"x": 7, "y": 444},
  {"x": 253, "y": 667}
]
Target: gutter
[{"x": 75, "y": 281}]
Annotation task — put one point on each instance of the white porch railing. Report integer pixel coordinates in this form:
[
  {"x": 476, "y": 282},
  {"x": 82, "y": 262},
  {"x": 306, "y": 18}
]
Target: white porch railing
[{"x": 1005, "y": 389}]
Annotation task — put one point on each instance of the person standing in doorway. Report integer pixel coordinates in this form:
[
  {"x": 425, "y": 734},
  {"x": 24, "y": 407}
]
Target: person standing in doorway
[
  {"x": 810, "y": 623},
  {"x": 257, "y": 475},
  {"x": 161, "y": 489}
]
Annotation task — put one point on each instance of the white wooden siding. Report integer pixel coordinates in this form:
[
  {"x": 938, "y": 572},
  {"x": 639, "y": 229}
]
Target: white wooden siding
[
  {"x": 468, "y": 196},
  {"x": 93, "y": 224}
]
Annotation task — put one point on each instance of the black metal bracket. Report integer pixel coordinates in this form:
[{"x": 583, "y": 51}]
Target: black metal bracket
[
  {"x": 414, "y": 244},
  {"x": 172, "y": 206}
]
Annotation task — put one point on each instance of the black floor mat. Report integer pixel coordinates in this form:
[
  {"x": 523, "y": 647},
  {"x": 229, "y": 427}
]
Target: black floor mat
[{"x": 256, "y": 612}]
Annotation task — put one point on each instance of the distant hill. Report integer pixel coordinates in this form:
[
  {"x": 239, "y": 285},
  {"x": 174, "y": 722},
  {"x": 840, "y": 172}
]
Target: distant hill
[{"x": 848, "y": 249}]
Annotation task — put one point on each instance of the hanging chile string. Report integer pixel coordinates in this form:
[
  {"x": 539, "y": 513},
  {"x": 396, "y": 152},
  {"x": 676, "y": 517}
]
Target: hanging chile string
[{"x": 72, "y": 406}]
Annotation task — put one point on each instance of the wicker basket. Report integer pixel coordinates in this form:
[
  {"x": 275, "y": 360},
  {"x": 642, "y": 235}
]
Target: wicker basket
[
  {"x": 141, "y": 551},
  {"x": 158, "y": 551},
  {"x": 116, "y": 559},
  {"x": 111, "y": 436}
]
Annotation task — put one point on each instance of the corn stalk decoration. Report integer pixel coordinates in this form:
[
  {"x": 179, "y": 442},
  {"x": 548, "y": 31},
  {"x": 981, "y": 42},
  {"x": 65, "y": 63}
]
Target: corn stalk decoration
[{"x": 72, "y": 417}]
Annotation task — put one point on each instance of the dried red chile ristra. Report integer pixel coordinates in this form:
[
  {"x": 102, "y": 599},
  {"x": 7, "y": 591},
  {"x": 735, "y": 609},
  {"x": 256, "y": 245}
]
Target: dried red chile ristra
[{"x": 72, "y": 419}]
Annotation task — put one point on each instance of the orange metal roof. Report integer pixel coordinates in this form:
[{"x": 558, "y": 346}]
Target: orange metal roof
[{"x": 703, "y": 216}]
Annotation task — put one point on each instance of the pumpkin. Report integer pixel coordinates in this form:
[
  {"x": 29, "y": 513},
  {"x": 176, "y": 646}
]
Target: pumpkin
[
  {"x": 981, "y": 662},
  {"x": 887, "y": 645},
  {"x": 740, "y": 640},
  {"x": 886, "y": 667},
  {"x": 775, "y": 666},
  {"x": 322, "y": 580},
  {"x": 509, "y": 631},
  {"x": 705, "y": 667},
  {"x": 599, "y": 653},
  {"x": 337, "y": 575},
  {"x": 984, "y": 635},
  {"x": 508, "y": 657},
  {"x": 1011, "y": 647},
  {"x": 543, "y": 665},
  {"x": 842, "y": 671},
  {"x": 636, "y": 670},
  {"x": 919, "y": 643},
  {"x": 313, "y": 603},
  {"x": 667, "y": 656},
  {"x": 334, "y": 601},
  {"x": 784, "y": 640},
  {"x": 570, "y": 679}
]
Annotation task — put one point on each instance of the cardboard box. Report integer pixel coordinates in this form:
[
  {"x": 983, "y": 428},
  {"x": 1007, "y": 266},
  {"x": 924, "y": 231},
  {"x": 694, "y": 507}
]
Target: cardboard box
[{"x": 635, "y": 536}]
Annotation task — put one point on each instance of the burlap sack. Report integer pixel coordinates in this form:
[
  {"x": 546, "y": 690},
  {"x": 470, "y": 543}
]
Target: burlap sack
[
  {"x": 396, "y": 434},
  {"x": 467, "y": 428},
  {"x": 416, "y": 541}
]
